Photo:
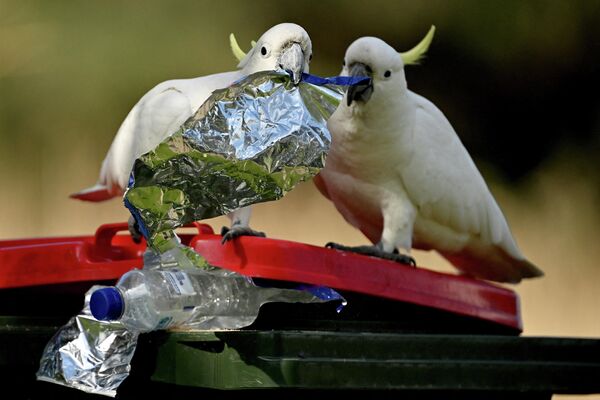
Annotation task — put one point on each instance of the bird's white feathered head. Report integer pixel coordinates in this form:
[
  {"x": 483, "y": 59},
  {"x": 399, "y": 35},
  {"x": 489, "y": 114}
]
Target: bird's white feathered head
[
  {"x": 285, "y": 46},
  {"x": 372, "y": 57}
]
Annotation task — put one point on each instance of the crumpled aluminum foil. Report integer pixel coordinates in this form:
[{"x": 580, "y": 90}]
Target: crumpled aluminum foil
[
  {"x": 87, "y": 354},
  {"x": 248, "y": 143}
]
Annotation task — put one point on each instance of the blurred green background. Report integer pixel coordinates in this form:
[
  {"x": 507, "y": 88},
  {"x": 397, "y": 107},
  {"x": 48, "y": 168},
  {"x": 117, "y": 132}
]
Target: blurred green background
[{"x": 518, "y": 80}]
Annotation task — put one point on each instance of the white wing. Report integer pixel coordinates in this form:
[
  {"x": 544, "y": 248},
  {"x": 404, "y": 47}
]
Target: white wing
[
  {"x": 156, "y": 116},
  {"x": 446, "y": 186}
]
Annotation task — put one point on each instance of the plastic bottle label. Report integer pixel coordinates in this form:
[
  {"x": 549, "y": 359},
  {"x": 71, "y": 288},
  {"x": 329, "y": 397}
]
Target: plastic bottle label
[{"x": 179, "y": 284}]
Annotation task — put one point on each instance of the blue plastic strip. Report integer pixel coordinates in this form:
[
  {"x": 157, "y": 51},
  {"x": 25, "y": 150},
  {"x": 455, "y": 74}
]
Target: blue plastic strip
[
  {"x": 321, "y": 292},
  {"x": 131, "y": 180},
  {"x": 325, "y": 293},
  {"x": 335, "y": 80},
  {"x": 137, "y": 217},
  {"x": 134, "y": 211}
]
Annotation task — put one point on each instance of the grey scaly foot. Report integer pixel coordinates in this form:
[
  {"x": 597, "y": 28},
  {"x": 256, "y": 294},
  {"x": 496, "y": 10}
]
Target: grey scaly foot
[
  {"x": 237, "y": 231},
  {"x": 134, "y": 230},
  {"x": 375, "y": 251}
]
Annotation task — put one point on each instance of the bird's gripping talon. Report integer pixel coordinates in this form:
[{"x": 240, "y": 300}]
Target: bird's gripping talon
[
  {"x": 375, "y": 251},
  {"x": 401, "y": 258},
  {"x": 237, "y": 231},
  {"x": 134, "y": 230}
]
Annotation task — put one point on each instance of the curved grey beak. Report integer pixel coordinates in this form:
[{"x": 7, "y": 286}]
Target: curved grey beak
[
  {"x": 360, "y": 92},
  {"x": 291, "y": 61}
]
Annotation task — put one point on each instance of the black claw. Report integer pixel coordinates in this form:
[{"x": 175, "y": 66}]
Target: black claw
[
  {"x": 137, "y": 239},
  {"x": 134, "y": 230},
  {"x": 237, "y": 231},
  {"x": 403, "y": 259},
  {"x": 375, "y": 251},
  {"x": 399, "y": 258}
]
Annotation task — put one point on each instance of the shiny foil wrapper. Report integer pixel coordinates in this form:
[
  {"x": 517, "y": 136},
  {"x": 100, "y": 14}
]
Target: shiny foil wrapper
[
  {"x": 251, "y": 142},
  {"x": 89, "y": 355}
]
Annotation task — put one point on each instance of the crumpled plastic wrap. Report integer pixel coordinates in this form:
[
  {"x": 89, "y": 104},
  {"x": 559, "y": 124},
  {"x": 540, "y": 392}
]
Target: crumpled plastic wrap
[{"x": 248, "y": 143}]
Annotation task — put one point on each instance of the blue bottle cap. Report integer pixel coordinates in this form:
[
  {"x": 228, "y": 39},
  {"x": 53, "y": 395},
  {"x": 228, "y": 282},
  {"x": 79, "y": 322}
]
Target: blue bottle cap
[{"x": 106, "y": 304}]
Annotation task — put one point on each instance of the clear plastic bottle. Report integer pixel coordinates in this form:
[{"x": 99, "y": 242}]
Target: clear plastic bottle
[{"x": 146, "y": 300}]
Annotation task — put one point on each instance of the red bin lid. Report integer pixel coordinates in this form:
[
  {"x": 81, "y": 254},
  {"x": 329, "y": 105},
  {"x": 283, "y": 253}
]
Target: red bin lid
[{"x": 106, "y": 256}]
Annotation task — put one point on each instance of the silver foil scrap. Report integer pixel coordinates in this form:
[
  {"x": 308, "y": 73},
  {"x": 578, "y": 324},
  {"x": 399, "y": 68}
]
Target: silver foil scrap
[
  {"x": 250, "y": 142},
  {"x": 89, "y": 355}
]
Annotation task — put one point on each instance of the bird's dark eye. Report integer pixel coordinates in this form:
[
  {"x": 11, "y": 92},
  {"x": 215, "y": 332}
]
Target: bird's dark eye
[
  {"x": 343, "y": 63},
  {"x": 263, "y": 51},
  {"x": 368, "y": 69},
  {"x": 387, "y": 74},
  {"x": 310, "y": 58}
]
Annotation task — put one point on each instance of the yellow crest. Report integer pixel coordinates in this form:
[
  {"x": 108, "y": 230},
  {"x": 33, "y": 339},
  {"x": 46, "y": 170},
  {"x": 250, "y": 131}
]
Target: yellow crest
[
  {"x": 235, "y": 47},
  {"x": 414, "y": 55}
]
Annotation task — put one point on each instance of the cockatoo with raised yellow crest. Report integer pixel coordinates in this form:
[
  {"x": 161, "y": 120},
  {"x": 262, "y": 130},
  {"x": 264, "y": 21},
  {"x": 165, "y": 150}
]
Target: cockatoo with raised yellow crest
[
  {"x": 399, "y": 173},
  {"x": 161, "y": 111}
]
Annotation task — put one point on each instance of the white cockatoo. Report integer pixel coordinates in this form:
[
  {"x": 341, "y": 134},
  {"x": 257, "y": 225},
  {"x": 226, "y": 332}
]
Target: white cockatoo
[
  {"x": 399, "y": 173},
  {"x": 162, "y": 110}
]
